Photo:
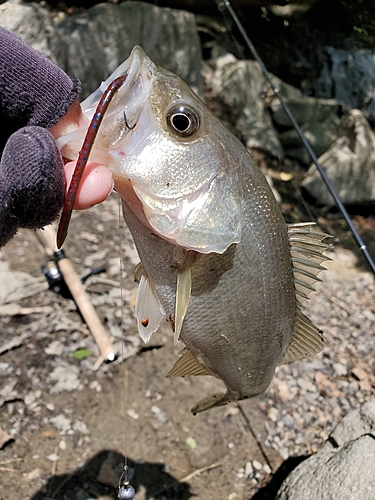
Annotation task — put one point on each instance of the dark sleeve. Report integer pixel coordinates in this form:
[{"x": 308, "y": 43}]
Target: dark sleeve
[{"x": 33, "y": 90}]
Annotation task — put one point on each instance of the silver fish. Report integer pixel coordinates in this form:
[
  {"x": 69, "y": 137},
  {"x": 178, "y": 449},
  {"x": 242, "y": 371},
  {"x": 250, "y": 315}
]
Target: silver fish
[{"x": 218, "y": 262}]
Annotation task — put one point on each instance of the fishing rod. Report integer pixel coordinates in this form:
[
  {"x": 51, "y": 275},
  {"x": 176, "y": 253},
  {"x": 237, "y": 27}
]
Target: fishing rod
[{"x": 225, "y": 4}]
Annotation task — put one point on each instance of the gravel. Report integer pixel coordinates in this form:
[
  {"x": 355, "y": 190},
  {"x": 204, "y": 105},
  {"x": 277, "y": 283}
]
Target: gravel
[{"x": 307, "y": 399}]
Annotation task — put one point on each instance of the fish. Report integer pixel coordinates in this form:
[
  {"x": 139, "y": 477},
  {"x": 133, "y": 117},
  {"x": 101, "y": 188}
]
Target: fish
[{"x": 218, "y": 262}]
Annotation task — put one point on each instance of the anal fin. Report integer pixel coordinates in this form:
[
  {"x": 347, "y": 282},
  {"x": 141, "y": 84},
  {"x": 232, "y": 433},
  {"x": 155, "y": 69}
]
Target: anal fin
[
  {"x": 186, "y": 365},
  {"x": 307, "y": 340}
]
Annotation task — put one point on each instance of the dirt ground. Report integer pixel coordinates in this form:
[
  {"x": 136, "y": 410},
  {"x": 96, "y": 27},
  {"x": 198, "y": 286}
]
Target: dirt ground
[{"x": 69, "y": 420}]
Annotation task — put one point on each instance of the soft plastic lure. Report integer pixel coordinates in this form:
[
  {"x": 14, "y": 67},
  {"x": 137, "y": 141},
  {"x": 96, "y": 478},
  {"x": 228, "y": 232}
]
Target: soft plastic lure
[{"x": 84, "y": 156}]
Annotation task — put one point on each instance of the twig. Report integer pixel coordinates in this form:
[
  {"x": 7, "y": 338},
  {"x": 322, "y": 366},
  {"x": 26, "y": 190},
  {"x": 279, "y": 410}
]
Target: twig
[
  {"x": 198, "y": 471},
  {"x": 55, "y": 462},
  {"x": 11, "y": 461}
]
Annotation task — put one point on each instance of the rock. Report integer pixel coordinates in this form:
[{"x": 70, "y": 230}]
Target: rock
[
  {"x": 344, "y": 468},
  {"x": 10, "y": 280},
  {"x": 321, "y": 136},
  {"x": 318, "y": 119},
  {"x": 101, "y": 38},
  {"x": 347, "y": 473},
  {"x": 61, "y": 422},
  {"x": 35, "y": 26},
  {"x": 348, "y": 76},
  {"x": 349, "y": 164},
  {"x": 4, "y": 438},
  {"x": 340, "y": 369},
  {"x": 304, "y": 109},
  {"x": 356, "y": 424},
  {"x": 240, "y": 84},
  {"x": 65, "y": 378}
]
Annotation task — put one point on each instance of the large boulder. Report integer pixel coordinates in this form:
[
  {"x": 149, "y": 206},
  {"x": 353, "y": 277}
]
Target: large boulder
[
  {"x": 345, "y": 466},
  {"x": 101, "y": 38},
  {"x": 317, "y": 118},
  {"x": 349, "y": 77},
  {"x": 305, "y": 109},
  {"x": 349, "y": 164},
  {"x": 321, "y": 136},
  {"x": 240, "y": 85},
  {"x": 35, "y": 26},
  {"x": 91, "y": 45}
]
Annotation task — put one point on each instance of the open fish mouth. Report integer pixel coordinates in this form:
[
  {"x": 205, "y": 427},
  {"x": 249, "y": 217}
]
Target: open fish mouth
[
  {"x": 185, "y": 197},
  {"x": 122, "y": 113}
]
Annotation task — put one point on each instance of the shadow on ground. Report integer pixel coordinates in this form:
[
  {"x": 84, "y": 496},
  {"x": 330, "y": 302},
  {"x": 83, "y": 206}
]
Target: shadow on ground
[
  {"x": 83, "y": 483},
  {"x": 269, "y": 491}
]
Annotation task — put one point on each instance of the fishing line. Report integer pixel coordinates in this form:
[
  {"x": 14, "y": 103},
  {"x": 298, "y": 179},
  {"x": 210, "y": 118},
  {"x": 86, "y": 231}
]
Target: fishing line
[
  {"x": 225, "y": 4},
  {"x": 125, "y": 490}
]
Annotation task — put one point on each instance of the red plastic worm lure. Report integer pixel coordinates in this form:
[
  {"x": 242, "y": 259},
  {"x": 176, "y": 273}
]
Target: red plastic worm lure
[{"x": 84, "y": 156}]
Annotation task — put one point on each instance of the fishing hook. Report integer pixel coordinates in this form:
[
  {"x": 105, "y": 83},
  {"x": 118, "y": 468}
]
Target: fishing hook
[
  {"x": 127, "y": 123},
  {"x": 83, "y": 157},
  {"x": 361, "y": 245}
]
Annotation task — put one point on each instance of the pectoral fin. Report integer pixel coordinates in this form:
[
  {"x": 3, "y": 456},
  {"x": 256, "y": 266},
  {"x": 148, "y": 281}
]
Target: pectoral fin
[
  {"x": 183, "y": 292},
  {"x": 148, "y": 309},
  {"x": 307, "y": 340},
  {"x": 188, "y": 364},
  {"x": 138, "y": 272}
]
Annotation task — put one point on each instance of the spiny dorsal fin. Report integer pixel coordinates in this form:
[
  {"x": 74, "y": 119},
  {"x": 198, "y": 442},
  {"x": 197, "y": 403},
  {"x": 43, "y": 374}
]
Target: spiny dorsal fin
[
  {"x": 148, "y": 309},
  {"x": 306, "y": 251},
  {"x": 187, "y": 365},
  {"x": 307, "y": 340}
]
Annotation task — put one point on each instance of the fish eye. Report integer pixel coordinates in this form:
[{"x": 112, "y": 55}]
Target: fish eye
[{"x": 183, "y": 120}]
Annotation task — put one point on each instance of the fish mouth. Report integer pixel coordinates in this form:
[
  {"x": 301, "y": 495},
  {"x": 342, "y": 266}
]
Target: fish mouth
[
  {"x": 123, "y": 110},
  {"x": 139, "y": 71}
]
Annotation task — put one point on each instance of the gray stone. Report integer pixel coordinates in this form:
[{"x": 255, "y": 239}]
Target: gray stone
[
  {"x": 347, "y": 473},
  {"x": 348, "y": 76},
  {"x": 343, "y": 468},
  {"x": 240, "y": 85},
  {"x": 321, "y": 136},
  {"x": 349, "y": 164},
  {"x": 35, "y": 26},
  {"x": 305, "y": 110},
  {"x": 356, "y": 424},
  {"x": 101, "y": 38}
]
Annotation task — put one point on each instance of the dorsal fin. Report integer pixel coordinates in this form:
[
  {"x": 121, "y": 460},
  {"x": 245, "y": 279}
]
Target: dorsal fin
[
  {"x": 306, "y": 251},
  {"x": 187, "y": 365},
  {"x": 307, "y": 341}
]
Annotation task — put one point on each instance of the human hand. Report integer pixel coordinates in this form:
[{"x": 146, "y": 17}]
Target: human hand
[
  {"x": 38, "y": 102},
  {"x": 96, "y": 183}
]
